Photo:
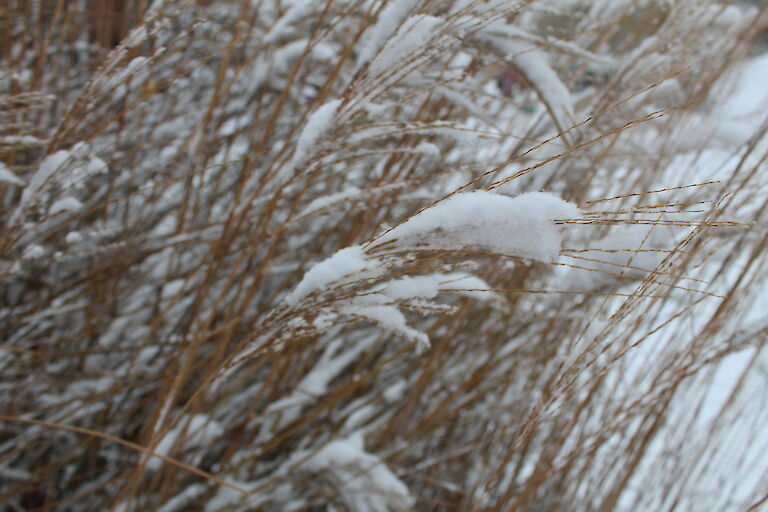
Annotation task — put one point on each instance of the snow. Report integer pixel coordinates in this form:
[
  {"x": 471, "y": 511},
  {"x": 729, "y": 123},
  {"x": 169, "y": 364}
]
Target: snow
[
  {"x": 23, "y": 140},
  {"x": 324, "y": 202},
  {"x": 390, "y": 318},
  {"x": 520, "y": 226},
  {"x": 6, "y": 176},
  {"x": 411, "y": 287},
  {"x": 130, "y": 71},
  {"x": 183, "y": 500},
  {"x": 34, "y": 252},
  {"x": 344, "y": 265},
  {"x": 172, "y": 289},
  {"x": 331, "y": 317},
  {"x": 73, "y": 237},
  {"x": 95, "y": 166},
  {"x": 728, "y": 16},
  {"x": 374, "y": 110},
  {"x": 364, "y": 481},
  {"x": 414, "y": 33},
  {"x": 136, "y": 37},
  {"x": 468, "y": 285},
  {"x": 389, "y": 20},
  {"x": 632, "y": 251},
  {"x": 197, "y": 431},
  {"x": 316, "y": 127},
  {"x": 65, "y": 204},
  {"x": 395, "y": 392},
  {"x": 603, "y": 9},
  {"x": 286, "y": 56},
  {"x": 226, "y": 497},
  {"x": 49, "y": 166},
  {"x": 282, "y": 28},
  {"x": 744, "y": 106},
  {"x": 428, "y": 149},
  {"x": 315, "y": 383},
  {"x": 534, "y": 65}
]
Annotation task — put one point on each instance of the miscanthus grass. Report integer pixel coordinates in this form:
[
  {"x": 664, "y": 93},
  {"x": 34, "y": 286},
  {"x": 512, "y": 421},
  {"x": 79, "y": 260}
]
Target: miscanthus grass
[{"x": 381, "y": 256}]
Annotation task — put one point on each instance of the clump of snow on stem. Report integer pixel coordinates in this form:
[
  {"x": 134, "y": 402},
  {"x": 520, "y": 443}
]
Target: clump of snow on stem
[
  {"x": 7, "y": 176},
  {"x": 415, "y": 32},
  {"x": 318, "y": 123},
  {"x": 390, "y": 318},
  {"x": 345, "y": 264},
  {"x": 408, "y": 287},
  {"x": 39, "y": 179},
  {"x": 389, "y": 20},
  {"x": 324, "y": 202},
  {"x": 521, "y": 226}
]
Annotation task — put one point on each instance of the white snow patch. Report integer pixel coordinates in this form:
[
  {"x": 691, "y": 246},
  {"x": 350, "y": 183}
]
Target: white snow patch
[
  {"x": 632, "y": 251},
  {"x": 317, "y": 125},
  {"x": 343, "y": 265},
  {"x": 324, "y": 202},
  {"x": 314, "y": 384},
  {"x": 396, "y": 391},
  {"x": 391, "y": 319},
  {"x": 33, "y": 252},
  {"x": 364, "y": 480},
  {"x": 282, "y": 28},
  {"x": 411, "y": 287},
  {"x": 416, "y": 32},
  {"x": 520, "y": 226},
  {"x": 389, "y": 20},
  {"x": 533, "y": 63},
  {"x": 7, "y": 176},
  {"x": 136, "y": 37},
  {"x": 50, "y": 165},
  {"x": 73, "y": 237},
  {"x": 198, "y": 431},
  {"x": 468, "y": 285},
  {"x": 65, "y": 204}
]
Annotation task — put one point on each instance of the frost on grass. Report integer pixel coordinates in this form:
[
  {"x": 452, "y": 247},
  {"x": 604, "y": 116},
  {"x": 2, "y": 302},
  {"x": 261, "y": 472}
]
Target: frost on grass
[{"x": 516, "y": 226}]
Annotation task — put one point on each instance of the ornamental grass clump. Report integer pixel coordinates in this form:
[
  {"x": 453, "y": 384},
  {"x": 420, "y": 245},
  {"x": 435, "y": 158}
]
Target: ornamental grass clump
[{"x": 381, "y": 255}]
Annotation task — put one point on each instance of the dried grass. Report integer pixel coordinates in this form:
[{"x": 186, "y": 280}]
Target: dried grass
[{"x": 167, "y": 302}]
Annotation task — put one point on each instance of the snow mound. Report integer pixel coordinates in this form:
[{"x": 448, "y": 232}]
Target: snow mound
[{"x": 517, "y": 226}]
